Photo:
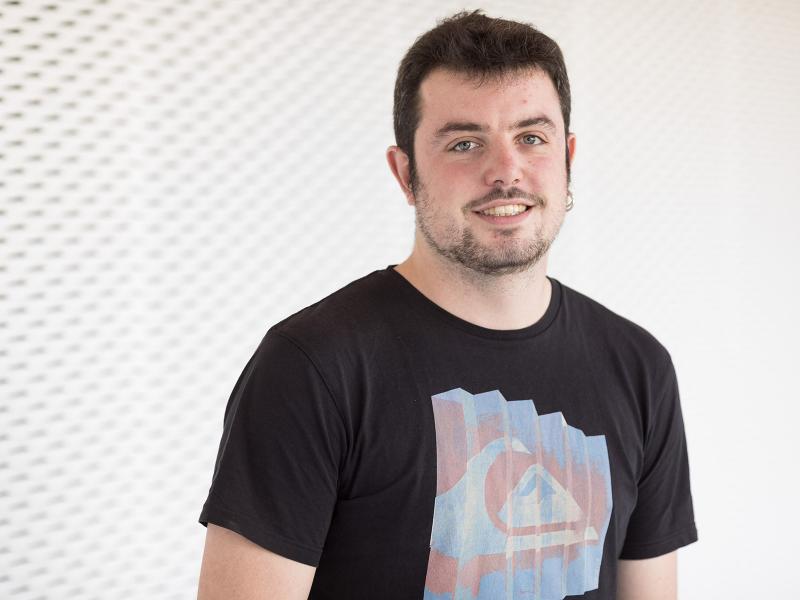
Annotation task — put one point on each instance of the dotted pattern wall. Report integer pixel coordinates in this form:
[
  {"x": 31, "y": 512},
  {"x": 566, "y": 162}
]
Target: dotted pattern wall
[{"x": 178, "y": 176}]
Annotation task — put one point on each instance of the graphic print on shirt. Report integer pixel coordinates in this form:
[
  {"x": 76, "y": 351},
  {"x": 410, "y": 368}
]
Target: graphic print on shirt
[{"x": 523, "y": 501}]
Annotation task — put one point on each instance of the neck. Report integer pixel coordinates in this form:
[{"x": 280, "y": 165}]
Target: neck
[{"x": 493, "y": 301}]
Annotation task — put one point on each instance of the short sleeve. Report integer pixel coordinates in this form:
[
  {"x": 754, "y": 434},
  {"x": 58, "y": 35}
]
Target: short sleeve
[
  {"x": 663, "y": 518},
  {"x": 276, "y": 475}
]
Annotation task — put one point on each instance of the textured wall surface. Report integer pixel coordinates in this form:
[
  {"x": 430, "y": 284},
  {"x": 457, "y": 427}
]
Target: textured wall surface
[{"x": 177, "y": 176}]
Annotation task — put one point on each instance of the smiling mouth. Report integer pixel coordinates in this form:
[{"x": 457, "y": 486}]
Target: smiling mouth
[{"x": 506, "y": 210}]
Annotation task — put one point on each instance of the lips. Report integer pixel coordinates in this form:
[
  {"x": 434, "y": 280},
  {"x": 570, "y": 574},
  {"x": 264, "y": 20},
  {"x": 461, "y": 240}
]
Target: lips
[
  {"x": 495, "y": 203},
  {"x": 509, "y": 221}
]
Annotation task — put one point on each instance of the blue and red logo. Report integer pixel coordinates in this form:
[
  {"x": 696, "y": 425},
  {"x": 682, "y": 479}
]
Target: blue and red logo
[{"x": 523, "y": 501}]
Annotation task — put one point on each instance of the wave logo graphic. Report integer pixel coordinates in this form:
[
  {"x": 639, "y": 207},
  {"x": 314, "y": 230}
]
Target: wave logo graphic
[{"x": 523, "y": 501}]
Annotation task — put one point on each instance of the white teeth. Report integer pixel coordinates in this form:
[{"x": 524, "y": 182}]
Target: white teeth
[{"x": 507, "y": 210}]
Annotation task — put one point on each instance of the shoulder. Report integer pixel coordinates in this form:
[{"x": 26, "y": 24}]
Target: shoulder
[
  {"x": 605, "y": 330},
  {"x": 351, "y": 315}
]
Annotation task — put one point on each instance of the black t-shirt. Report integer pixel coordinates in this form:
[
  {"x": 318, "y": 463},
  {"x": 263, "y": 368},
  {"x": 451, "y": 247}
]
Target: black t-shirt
[{"x": 408, "y": 453}]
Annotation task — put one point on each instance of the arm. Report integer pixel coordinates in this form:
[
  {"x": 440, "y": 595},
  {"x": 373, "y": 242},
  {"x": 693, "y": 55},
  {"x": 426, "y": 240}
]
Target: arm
[
  {"x": 234, "y": 568},
  {"x": 275, "y": 480},
  {"x": 649, "y": 578}
]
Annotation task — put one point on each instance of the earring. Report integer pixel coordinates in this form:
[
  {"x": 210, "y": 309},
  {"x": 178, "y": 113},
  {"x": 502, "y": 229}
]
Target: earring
[{"x": 571, "y": 201}]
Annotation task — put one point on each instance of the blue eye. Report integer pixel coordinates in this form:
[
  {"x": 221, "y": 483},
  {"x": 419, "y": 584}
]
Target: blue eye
[
  {"x": 455, "y": 148},
  {"x": 536, "y": 137}
]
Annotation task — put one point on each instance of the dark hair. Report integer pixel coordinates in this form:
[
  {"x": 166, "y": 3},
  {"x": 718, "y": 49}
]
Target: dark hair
[{"x": 479, "y": 46}]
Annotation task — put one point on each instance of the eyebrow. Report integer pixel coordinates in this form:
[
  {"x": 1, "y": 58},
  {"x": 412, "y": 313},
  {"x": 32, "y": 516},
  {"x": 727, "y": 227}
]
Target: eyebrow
[{"x": 457, "y": 126}]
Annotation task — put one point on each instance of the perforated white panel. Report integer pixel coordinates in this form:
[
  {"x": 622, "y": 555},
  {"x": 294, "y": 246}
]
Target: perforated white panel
[{"x": 177, "y": 176}]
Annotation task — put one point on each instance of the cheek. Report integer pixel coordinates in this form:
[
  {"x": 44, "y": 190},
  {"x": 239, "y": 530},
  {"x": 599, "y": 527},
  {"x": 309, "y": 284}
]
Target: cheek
[
  {"x": 442, "y": 174},
  {"x": 451, "y": 173},
  {"x": 547, "y": 169}
]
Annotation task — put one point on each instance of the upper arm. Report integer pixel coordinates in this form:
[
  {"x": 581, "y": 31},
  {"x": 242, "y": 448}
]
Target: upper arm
[
  {"x": 234, "y": 568},
  {"x": 276, "y": 476},
  {"x": 648, "y": 578},
  {"x": 662, "y": 519}
]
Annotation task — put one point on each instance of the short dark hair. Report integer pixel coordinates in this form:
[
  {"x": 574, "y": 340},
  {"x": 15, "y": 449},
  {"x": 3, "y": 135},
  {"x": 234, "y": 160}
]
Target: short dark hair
[{"x": 479, "y": 46}]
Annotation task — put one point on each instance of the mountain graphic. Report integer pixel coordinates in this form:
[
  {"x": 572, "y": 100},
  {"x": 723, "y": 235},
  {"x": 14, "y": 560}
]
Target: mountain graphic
[{"x": 523, "y": 501}]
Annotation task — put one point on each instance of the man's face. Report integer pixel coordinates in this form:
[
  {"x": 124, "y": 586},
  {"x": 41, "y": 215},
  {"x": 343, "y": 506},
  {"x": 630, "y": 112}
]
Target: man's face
[{"x": 500, "y": 145}]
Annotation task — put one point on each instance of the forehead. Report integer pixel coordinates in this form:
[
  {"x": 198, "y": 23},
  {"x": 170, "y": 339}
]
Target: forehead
[{"x": 446, "y": 95}]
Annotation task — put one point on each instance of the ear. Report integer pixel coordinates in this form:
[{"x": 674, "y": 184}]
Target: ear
[
  {"x": 571, "y": 148},
  {"x": 399, "y": 165}
]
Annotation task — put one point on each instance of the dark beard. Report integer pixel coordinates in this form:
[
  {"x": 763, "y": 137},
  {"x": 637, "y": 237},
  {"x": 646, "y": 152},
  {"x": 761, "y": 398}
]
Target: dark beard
[{"x": 471, "y": 255}]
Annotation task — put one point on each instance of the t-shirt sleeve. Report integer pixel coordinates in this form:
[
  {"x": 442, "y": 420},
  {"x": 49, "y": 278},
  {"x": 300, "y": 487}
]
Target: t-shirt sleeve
[
  {"x": 663, "y": 518},
  {"x": 276, "y": 474}
]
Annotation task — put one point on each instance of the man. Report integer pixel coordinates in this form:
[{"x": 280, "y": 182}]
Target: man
[{"x": 459, "y": 425}]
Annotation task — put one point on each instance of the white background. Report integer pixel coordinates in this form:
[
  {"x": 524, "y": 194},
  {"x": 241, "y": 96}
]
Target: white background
[{"x": 176, "y": 177}]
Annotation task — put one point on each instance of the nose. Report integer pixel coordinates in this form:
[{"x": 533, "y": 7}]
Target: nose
[{"x": 503, "y": 168}]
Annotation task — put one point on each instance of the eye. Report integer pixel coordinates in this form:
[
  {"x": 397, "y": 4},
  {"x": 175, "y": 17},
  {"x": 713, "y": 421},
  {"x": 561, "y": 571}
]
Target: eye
[
  {"x": 460, "y": 148},
  {"x": 530, "y": 136}
]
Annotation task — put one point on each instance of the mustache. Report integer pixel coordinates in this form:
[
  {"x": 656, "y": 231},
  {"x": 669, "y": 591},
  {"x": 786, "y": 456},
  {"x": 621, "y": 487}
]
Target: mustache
[{"x": 509, "y": 194}]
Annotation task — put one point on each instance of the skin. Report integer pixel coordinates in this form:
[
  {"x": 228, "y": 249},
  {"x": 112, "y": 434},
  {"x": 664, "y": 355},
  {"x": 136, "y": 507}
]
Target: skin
[
  {"x": 234, "y": 568},
  {"x": 649, "y": 578}
]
